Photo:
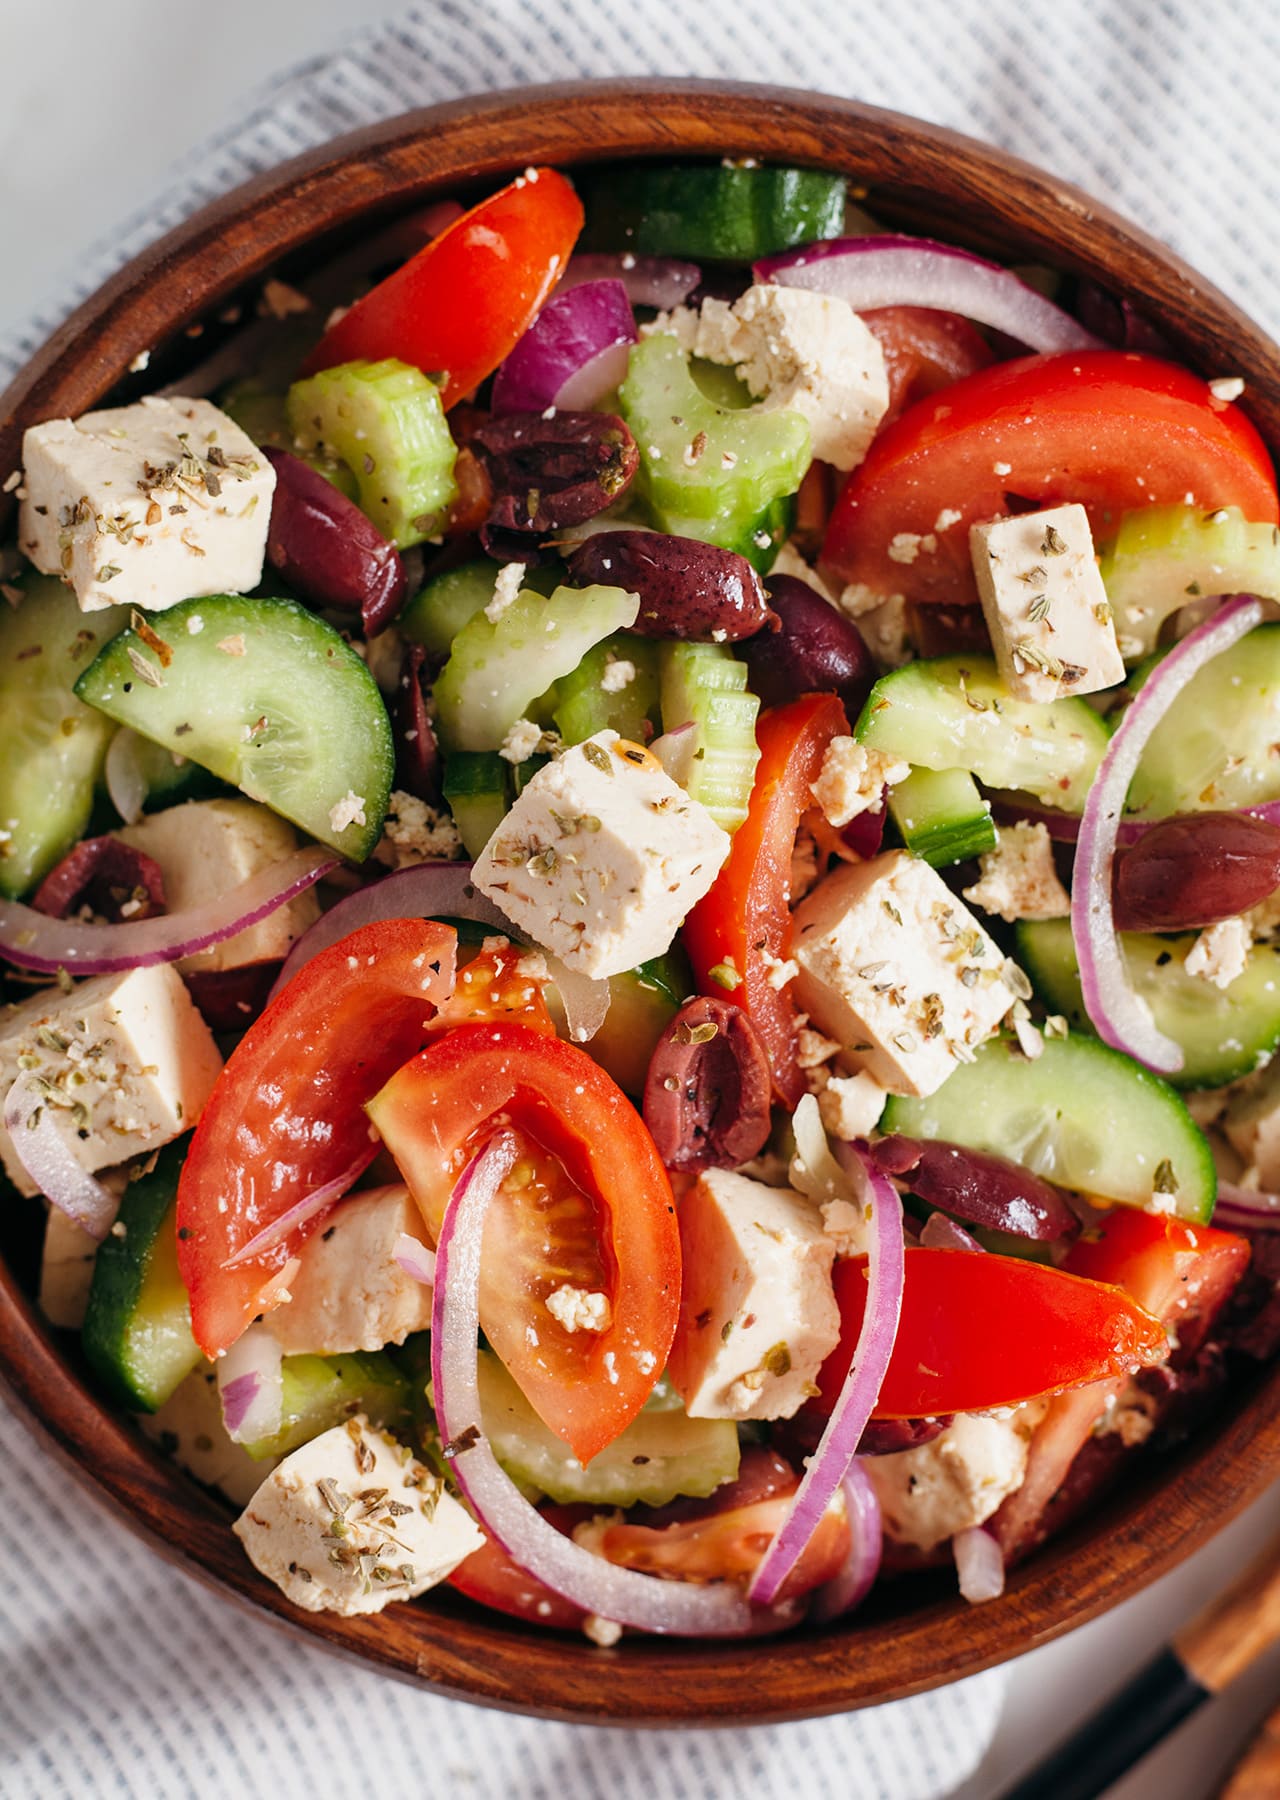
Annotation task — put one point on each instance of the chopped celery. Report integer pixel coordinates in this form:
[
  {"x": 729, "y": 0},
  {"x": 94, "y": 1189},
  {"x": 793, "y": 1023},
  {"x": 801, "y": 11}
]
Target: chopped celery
[
  {"x": 706, "y": 686},
  {"x": 712, "y": 211},
  {"x": 384, "y": 420},
  {"x": 322, "y": 1391},
  {"x": 758, "y": 539},
  {"x": 260, "y": 413},
  {"x": 1165, "y": 557},
  {"x": 942, "y": 816},
  {"x": 587, "y": 700},
  {"x": 436, "y": 616},
  {"x": 477, "y": 794},
  {"x": 500, "y": 666}
]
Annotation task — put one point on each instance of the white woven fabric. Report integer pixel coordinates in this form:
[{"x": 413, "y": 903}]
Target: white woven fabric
[{"x": 119, "y": 1676}]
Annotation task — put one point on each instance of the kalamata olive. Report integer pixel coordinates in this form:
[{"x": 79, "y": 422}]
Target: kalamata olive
[
  {"x": 706, "y": 1098},
  {"x": 687, "y": 589},
  {"x": 548, "y": 473},
  {"x": 327, "y": 550},
  {"x": 817, "y": 650},
  {"x": 1195, "y": 869},
  {"x": 231, "y": 999},
  {"x": 797, "y": 1437},
  {"x": 111, "y": 878},
  {"x": 417, "y": 752},
  {"x": 940, "y": 630},
  {"x": 980, "y": 1188}
]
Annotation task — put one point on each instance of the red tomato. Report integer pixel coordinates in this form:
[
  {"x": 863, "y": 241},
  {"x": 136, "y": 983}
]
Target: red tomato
[
  {"x": 489, "y": 986},
  {"x": 591, "y": 1206},
  {"x": 1108, "y": 428},
  {"x": 724, "y": 1537},
  {"x": 489, "y": 1576},
  {"x": 984, "y": 1331},
  {"x": 287, "y": 1114},
  {"x": 744, "y": 919},
  {"x": 924, "y": 350},
  {"x": 460, "y": 304}
]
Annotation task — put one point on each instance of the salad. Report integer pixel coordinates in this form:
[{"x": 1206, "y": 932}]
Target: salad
[{"x": 639, "y": 852}]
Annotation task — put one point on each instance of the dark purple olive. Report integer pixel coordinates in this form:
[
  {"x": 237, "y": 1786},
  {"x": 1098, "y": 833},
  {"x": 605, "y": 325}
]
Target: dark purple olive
[
  {"x": 549, "y": 473},
  {"x": 817, "y": 650},
  {"x": 327, "y": 549},
  {"x": 231, "y": 999},
  {"x": 111, "y": 878},
  {"x": 798, "y": 1436},
  {"x": 417, "y": 752},
  {"x": 687, "y": 589},
  {"x": 1195, "y": 869},
  {"x": 940, "y": 630},
  {"x": 977, "y": 1187},
  {"x": 706, "y": 1098}
]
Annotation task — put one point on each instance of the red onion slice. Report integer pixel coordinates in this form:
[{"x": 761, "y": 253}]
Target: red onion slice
[
  {"x": 979, "y": 1564},
  {"x": 839, "y": 1442},
  {"x": 251, "y": 1386},
  {"x": 413, "y": 1256},
  {"x": 942, "y": 1233},
  {"x": 1246, "y": 1208},
  {"x": 442, "y": 891},
  {"x": 50, "y": 1162},
  {"x": 871, "y": 272},
  {"x": 1116, "y": 1010},
  {"x": 597, "y": 1586},
  {"x": 127, "y": 785},
  {"x": 32, "y": 940},
  {"x": 573, "y": 354},
  {"x": 851, "y": 1586},
  {"x": 649, "y": 280},
  {"x": 1064, "y": 828},
  {"x": 317, "y": 1201}
]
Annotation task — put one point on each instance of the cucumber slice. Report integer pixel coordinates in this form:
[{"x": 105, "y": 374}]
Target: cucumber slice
[
  {"x": 384, "y": 420},
  {"x": 585, "y": 704},
  {"x": 436, "y": 616},
  {"x": 477, "y": 792},
  {"x": 661, "y": 1454},
  {"x": 51, "y": 744},
  {"x": 167, "y": 776},
  {"x": 1224, "y": 1033},
  {"x": 322, "y": 1391},
  {"x": 718, "y": 212},
  {"x": 1081, "y": 1115},
  {"x": 499, "y": 667},
  {"x": 642, "y": 1004},
  {"x": 137, "y": 1329},
  {"x": 941, "y": 815},
  {"x": 1215, "y": 750},
  {"x": 706, "y": 686},
  {"x": 265, "y": 695},
  {"x": 954, "y": 712},
  {"x": 1164, "y": 557}
]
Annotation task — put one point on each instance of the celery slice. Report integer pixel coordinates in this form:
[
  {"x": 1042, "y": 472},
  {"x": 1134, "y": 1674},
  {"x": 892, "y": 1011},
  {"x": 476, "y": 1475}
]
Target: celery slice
[{"x": 706, "y": 686}]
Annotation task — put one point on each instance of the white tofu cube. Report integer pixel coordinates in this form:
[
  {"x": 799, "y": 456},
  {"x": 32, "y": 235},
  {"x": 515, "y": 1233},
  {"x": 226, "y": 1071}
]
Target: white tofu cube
[
  {"x": 351, "y": 1521},
  {"x": 146, "y": 505},
  {"x": 207, "y": 847},
  {"x": 601, "y": 857},
  {"x": 126, "y": 1060},
  {"x": 897, "y": 971},
  {"x": 1019, "y": 878},
  {"x": 954, "y": 1481},
  {"x": 188, "y": 1428},
  {"x": 348, "y": 1292},
  {"x": 1045, "y": 605},
  {"x": 758, "y": 1316}
]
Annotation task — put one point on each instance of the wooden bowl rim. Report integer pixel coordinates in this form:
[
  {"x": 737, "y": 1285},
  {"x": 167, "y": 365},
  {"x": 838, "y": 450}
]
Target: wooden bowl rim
[{"x": 453, "y": 1649}]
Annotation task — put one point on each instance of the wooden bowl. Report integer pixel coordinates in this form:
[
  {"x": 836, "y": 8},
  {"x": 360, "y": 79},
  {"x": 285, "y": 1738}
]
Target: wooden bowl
[{"x": 915, "y": 1633}]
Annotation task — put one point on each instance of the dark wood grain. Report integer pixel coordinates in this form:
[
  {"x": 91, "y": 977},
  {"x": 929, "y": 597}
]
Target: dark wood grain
[{"x": 915, "y": 1634}]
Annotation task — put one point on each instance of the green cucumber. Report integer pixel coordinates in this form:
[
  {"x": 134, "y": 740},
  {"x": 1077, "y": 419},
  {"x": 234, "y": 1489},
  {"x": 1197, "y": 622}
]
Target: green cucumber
[
  {"x": 1081, "y": 1115},
  {"x": 941, "y": 815},
  {"x": 51, "y": 744},
  {"x": 584, "y": 705},
  {"x": 661, "y": 1454},
  {"x": 1164, "y": 557},
  {"x": 499, "y": 667},
  {"x": 260, "y": 413},
  {"x": 1224, "y": 1033},
  {"x": 712, "y": 212},
  {"x": 385, "y": 421},
  {"x": 265, "y": 695},
  {"x": 322, "y": 1391},
  {"x": 477, "y": 791},
  {"x": 642, "y": 1004},
  {"x": 137, "y": 1329},
  {"x": 1215, "y": 750},
  {"x": 706, "y": 686},
  {"x": 436, "y": 615},
  {"x": 167, "y": 776},
  {"x": 954, "y": 712}
]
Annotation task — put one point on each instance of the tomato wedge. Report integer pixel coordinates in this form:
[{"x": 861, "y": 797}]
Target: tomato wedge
[
  {"x": 979, "y": 1331},
  {"x": 458, "y": 306},
  {"x": 924, "y": 350},
  {"x": 1108, "y": 428},
  {"x": 744, "y": 919},
  {"x": 286, "y": 1115},
  {"x": 591, "y": 1207}
]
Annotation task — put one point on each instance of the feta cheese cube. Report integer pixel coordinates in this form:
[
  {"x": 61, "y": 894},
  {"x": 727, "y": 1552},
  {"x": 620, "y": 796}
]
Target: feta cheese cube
[
  {"x": 126, "y": 1060},
  {"x": 758, "y": 1316},
  {"x": 189, "y": 1430},
  {"x": 1045, "y": 605},
  {"x": 852, "y": 780},
  {"x": 66, "y": 1270},
  {"x": 348, "y": 1292},
  {"x": 146, "y": 505},
  {"x": 1221, "y": 952},
  {"x": 351, "y": 1521},
  {"x": 601, "y": 857},
  {"x": 207, "y": 847},
  {"x": 956, "y": 1480},
  {"x": 1019, "y": 879},
  {"x": 896, "y": 969}
]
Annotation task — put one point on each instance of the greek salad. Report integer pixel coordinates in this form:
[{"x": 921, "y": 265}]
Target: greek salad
[{"x": 639, "y": 887}]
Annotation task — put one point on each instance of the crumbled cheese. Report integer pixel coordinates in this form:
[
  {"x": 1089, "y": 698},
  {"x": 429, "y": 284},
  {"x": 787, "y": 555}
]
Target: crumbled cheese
[
  {"x": 347, "y": 811},
  {"x": 1227, "y": 387},
  {"x": 1018, "y": 879},
  {"x": 414, "y": 833},
  {"x": 777, "y": 972},
  {"x": 577, "y": 1309},
  {"x": 956, "y": 1480},
  {"x": 812, "y": 1049},
  {"x": 789, "y": 561},
  {"x": 853, "y": 779},
  {"x": 618, "y": 674},
  {"x": 523, "y": 740},
  {"x": 882, "y": 620},
  {"x": 1221, "y": 952},
  {"x": 851, "y": 1105},
  {"x": 604, "y": 1632},
  {"x": 505, "y": 590}
]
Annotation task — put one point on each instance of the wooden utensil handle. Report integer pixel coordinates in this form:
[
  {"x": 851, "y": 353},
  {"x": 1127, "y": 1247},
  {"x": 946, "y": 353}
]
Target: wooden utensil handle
[
  {"x": 1236, "y": 1628},
  {"x": 1257, "y": 1775}
]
